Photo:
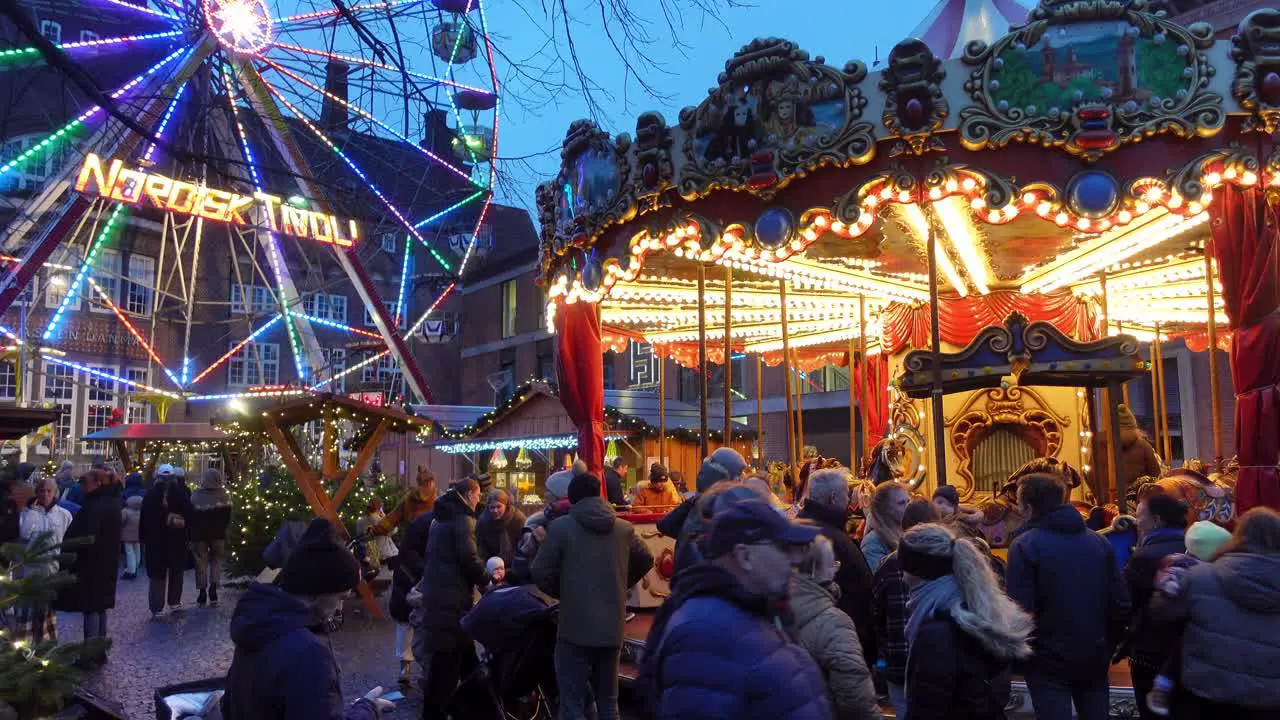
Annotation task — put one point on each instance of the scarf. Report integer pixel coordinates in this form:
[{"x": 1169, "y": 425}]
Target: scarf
[{"x": 937, "y": 595}]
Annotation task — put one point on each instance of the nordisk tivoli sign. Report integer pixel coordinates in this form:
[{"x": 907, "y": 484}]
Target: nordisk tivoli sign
[{"x": 123, "y": 184}]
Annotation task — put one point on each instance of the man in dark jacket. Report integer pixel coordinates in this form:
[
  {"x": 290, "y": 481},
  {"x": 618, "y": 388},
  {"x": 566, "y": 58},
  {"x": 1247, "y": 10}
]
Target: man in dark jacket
[
  {"x": 450, "y": 577},
  {"x": 589, "y": 560},
  {"x": 406, "y": 571},
  {"x": 723, "y": 464},
  {"x": 613, "y": 481},
  {"x": 1162, "y": 525},
  {"x": 162, "y": 529},
  {"x": 94, "y": 565},
  {"x": 1066, "y": 577},
  {"x": 718, "y": 647},
  {"x": 282, "y": 669},
  {"x": 828, "y": 507}
]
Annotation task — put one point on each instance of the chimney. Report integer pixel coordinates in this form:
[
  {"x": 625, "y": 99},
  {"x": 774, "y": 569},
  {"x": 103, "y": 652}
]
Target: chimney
[
  {"x": 435, "y": 132},
  {"x": 333, "y": 114}
]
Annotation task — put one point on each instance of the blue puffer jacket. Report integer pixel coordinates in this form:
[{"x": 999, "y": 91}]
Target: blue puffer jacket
[
  {"x": 282, "y": 670},
  {"x": 1067, "y": 578},
  {"x": 718, "y": 654}
]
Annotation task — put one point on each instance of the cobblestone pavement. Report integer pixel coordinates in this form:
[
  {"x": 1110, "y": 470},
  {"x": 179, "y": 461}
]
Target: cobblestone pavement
[{"x": 194, "y": 645}]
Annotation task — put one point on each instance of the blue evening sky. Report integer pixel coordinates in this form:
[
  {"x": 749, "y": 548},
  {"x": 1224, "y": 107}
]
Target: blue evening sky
[{"x": 533, "y": 122}]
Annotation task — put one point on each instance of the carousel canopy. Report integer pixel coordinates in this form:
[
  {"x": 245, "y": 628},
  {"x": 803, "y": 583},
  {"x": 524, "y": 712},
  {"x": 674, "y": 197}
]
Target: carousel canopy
[{"x": 952, "y": 24}]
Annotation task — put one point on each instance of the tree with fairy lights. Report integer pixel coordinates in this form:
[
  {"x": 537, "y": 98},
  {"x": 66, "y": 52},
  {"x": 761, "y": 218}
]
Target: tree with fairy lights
[{"x": 36, "y": 678}]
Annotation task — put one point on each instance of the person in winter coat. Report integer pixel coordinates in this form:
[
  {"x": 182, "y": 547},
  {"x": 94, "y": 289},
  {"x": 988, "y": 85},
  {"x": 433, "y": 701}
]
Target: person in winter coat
[
  {"x": 520, "y": 572},
  {"x": 723, "y": 465},
  {"x": 282, "y": 669},
  {"x": 406, "y": 571},
  {"x": 659, "y": 495},
  {"x": 449, "y": 581},
  {"x": 1137, "y": 457},
  {"x": 10, "y": 514},
  {"x": 130, "y": 518},
  {"x": 1162, "y": 525},
  {"x": 828, "y": 507},
  {"x": 415, "y": 503},
  {"x": 613, "y": 478},
  {"x": 1231, "y": 611},
  {"x": 1067, "y": 578},
  {"x": 719, "y": 647},
  {"x": 963, "y": 633},
  {"x": 885, "y": 525},
  {"x": 133, "y": 487},
  {"x": 588, "y": 561},
  {"x": 43, "y": 518},
  {"x": 829, "y": 635},
  {"x": 499, "y": 528},
  {"x": 210, "y": 516},
  {"x": 166, "y": 512},
  {"x": 94, "y": 565},
  {"x": 889, "y": 595}
]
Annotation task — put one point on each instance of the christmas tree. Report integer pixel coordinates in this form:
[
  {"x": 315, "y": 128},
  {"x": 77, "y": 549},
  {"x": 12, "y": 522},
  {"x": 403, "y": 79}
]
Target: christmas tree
[{"x": 36, "y": 678}]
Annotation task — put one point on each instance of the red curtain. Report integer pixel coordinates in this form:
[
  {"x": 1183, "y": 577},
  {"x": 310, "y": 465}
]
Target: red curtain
[
  {"x": 1245, "y": 230},
  {"x": 580, "y": 372},
  {"x": 877, "y": 404},
  {"x": 960, "y": 319}
]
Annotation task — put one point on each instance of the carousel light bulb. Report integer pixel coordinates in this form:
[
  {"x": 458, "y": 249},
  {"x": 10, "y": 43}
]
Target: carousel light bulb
[{"x": 1249, "y": 178}]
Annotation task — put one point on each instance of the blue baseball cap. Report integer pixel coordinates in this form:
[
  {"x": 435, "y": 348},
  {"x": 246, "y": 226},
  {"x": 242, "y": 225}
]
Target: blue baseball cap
[{"x": 753, "y": 521}]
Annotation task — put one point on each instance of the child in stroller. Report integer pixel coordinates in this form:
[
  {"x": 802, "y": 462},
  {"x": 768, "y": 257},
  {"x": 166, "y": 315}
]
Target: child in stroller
[{"x": 515, "y": 632}]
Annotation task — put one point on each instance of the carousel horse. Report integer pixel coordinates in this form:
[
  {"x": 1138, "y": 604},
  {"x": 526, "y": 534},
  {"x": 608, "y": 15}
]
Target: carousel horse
[
  {"x": 1001, "y": 514},
  {"x": 1209, "y": 497}
]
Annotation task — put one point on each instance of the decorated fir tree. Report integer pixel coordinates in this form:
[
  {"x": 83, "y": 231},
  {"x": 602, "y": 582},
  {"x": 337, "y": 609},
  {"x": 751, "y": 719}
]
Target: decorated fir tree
[{"x": 36, "y": 679}]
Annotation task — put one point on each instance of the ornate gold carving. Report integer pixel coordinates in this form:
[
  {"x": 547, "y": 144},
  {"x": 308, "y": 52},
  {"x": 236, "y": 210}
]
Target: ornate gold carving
[
  {"x": 1044, "y": 59},
  {"x": 1256, "y": 85},
  {"x": 1021, "y": 407},
  {"x": 914, "y": 107},
  {"x": 775, "y": 116}
]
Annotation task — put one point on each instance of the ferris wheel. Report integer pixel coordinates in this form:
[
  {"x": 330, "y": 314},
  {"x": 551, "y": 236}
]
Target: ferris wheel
[{"x": 259, "y": 139}]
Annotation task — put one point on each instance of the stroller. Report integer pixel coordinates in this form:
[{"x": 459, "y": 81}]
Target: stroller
[{"x": 515, "y": 633}]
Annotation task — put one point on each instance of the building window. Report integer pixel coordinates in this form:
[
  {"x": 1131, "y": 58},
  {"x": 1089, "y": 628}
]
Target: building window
[
  {"x": 338, "y": 308},
  {"x": 255, "y": 364},
  {"x": 51, "y": 31},
  {"x": 384, "y": 371},
  {"x": 137, "y": 412},
  {"x": 259, "y": 299},
  {"x": 546, "y": 360},
  {"x": 8, "y": 382},
  {"x": 335, "y": 361},
  {"x": 142, "y": 279},
  {"x": 509, "y": 304},
  {"x": 106, "y": 273},
  {"x": 60, "y": 389},
  {"x": 391, "y": 311},
  {"x": 389, "y": 242},
  {"x": 88, "y": 36},
  {"x": 56, "y": 289},
  {"x": 100, "y": 402},
  {"x": 610, "y": 360},
  {"x": 325, "y": 307}
]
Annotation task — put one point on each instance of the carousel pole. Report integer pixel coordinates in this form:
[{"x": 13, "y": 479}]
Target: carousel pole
[
  {"x": 939, "y": 433},
  {"x": 1215, "y": 398},
  {"x": 864, "y": 408},
  {"x": 728, "y": 356},
  {"x": 1118, "y": 479},
  {"x": 662, "y": 410},
  {"x": 786, "y": 366},
  {"x": 703, "y": 446},
  {"x": 854, "y": 449},
  {"x": 760, "y": 407},
  {"x": 1124, "y": 388},
  {"x": 1162, "y": 418},
  {"x": 799, "y": 414},
  {"x": 1110, "y": 428}
]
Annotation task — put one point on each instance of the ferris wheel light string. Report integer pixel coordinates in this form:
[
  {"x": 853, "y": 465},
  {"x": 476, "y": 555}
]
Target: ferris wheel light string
[
  {"x": 381, "y": 66},
  {"x": 50, "y": 355},
  {"x": 475, "y": 234},
  {"x": 144, "y": 9},
  {"x": 356, "y": 169},
  {"x": 404, "y": 278},
  {"x": 106, "y": 299},
  {"x": 227, "y": 356},
  {"x": 431, "y": 309},
  {"x": 457, "y": 43},
  {"x": 28, "y": 52},
  {"x": 369, "y": 116},
  {"x": 164, "y": 121},
  {"x": 273, "y": 245},
  {"x": 318, "y": 14},
  {"x": 77, "y": 123},
  {"x": 336, "y": 325},
  {"x": 284, "y": 392},
  {"x": 423, "y": 223},
  {"x": 10, "y": 334},
  {"x": 74, "y": 290},
  {"x": 497, "y": 96},
  {"x": 353, "y": 368}
]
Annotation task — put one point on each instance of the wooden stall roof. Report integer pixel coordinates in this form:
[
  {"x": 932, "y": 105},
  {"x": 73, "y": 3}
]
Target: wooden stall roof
[
  {"x": 296, "y": 412},
  {"x": 162, "y": 432},
  {"x": 18, "y": 421}
]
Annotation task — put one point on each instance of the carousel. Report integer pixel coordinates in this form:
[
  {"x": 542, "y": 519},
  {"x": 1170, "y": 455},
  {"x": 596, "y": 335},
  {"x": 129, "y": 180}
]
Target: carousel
[{"x": 994, "y": 238}]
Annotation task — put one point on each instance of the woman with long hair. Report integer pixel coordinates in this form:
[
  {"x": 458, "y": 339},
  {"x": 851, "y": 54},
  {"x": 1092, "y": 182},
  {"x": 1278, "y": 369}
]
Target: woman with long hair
[
  {"x": 963, "y": 632},
  {"x": 1231, "y": 611},
  {"x": 884, "y": 528}
]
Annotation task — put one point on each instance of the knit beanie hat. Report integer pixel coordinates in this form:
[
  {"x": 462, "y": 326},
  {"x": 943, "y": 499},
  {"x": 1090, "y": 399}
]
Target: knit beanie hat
[
  {"x": 1204, "y": 539},
  {"x": 949, "y": 493},
  {"x": 558, "y": 484},
  {"x": 730, "y": 460},
  {"x": 1127, "y": 420},
  {"x": 319, "y": 565},
  {"x": 582, "y": 487},
  {"x": 657, "y": 471},
  {"x": 492, "y": 564}
]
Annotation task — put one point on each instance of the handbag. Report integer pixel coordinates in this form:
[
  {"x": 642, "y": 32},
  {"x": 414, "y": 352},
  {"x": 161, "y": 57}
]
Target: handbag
[{"x": 173, "y": 520}]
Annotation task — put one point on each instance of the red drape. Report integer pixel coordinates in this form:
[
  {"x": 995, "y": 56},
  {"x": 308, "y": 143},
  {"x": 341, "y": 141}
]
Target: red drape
[
  {"x": 960, "y": 319},
  {"x": 877, "y": 369},
  {"x": 1245, "y": 241},
  {"x": 580, "y": 372}
]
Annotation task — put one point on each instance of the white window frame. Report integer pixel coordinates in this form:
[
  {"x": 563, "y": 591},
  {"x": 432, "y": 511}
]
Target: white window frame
[
  {"x": 106, "y": 272},
  {"x": 338, "y": 308},
  {"x": 259, "y": 299},
  {"x": 335, "y": 360},
  {"x": 8, "y": 381},
  {"x": 391, "y": 310},
  {"x": 67, "y": 405},
  {"x": 383, "y": 371},
  {"x": 88, "y": 36},
  {"x": 139, "y": 292},
  {"x": 389, "y": 243},
  {"x": 107, "y": 391},
  {"x": 52, "y": 31},
  {"x": 253, "y": 365},
  {"x": 49, "y": 302},
  {"x": 136, "y": 412}
]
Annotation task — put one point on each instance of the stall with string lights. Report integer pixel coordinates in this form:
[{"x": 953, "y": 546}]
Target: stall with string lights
[
  {"x": 1099, "y": 168},
  {"x": 141, "y": 446}
]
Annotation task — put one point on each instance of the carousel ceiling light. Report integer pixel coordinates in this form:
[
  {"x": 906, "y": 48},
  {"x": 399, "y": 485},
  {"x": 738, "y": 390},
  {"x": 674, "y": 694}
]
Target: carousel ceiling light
[
  {"x": 915, "y": 217},
  {"x": 843, "y": 333},
  {"x": 1149, "y": 316},
  {"x": 1108, "y": 249},
  {"x": 962, "y": 233}
]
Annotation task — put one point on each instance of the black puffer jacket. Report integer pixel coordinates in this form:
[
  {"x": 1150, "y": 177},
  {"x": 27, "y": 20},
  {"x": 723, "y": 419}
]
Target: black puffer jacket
[
  {"x": 1148, "y": 644},
  {"x": 166, "y": 545},
  {"x": 951, "y": 676},
  {"x": 406, "y": 567},
  {"x": 450, "y": 577},
  {"x": 854, "y": 577},
  {"x": 96, "y": 565}
]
